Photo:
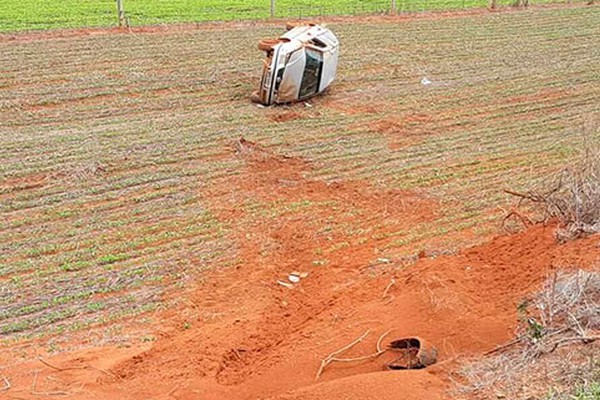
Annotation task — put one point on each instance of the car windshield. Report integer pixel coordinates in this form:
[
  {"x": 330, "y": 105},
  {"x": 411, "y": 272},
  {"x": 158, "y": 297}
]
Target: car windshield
[{"x": 312, "y": 73}]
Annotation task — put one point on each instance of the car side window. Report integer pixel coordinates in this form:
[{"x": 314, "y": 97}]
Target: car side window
[{"x": 312, "y": 73}]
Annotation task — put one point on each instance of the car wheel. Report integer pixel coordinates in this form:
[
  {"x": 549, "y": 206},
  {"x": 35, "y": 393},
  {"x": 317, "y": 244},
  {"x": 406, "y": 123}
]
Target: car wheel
[{"x": 267, "y": 44}]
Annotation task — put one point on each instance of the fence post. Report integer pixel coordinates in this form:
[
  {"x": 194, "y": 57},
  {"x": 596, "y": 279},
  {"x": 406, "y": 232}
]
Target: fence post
[
  {"x": 393, "y": 7},
  {"x": 272, "y": 8},
  {"x": 121, "y": 13}
]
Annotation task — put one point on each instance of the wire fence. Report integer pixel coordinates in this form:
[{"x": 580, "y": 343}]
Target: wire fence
[{"x": 16, "y": 15}]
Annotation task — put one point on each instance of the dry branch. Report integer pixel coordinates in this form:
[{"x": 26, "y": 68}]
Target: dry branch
[
  {"x": 527, "y": 196},
  {"x": 52, "y": 393},
  {"x": 584, "y": 339},
  {"x": 571, "y": 196},
  {"x": 46, "y": 363},
  {"x": 85, "y": 367},
  {"x": 379, "y": 352},
  {"x": 503, "y": 346},
  {"x": 387, "y": 289},
  {"x": 6, "y": 384},
  {"x": 332, "y": 356},
  {"x": 379, "y": 349},
  {"x": 526, "y": 221},
  {"x": 327, "y": 360}
]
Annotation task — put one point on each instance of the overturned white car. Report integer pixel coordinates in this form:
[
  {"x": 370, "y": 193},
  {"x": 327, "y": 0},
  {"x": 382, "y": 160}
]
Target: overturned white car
[{"x": 299, "y": 65}]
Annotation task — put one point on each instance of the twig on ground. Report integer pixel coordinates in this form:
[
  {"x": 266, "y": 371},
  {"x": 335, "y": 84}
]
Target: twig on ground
[
  {"x": 327, "y": 360},
  {"x": 55, "y": 393},
  {"x": 503, "y": 346},
  {"x": 349, "y": 346},
  {"x": 46, "y": 363},
  {"x": 387, "y": 289},
  {"x": 526, "y": 221},
  {"x": 527, "y": 196},
  {"x": 379, "y": 352},
  {"x": 86, "y": 367},
  {"x": 519, "y": 339},
  {"x": 585, "y": 339},
  {"x": 576, "y": 323},
  {"x": 173, "y": 391},
  {"x": 332, "y": 356},
  {"x": 379, "y": 349},
  {"x": 6, "y": 384}
]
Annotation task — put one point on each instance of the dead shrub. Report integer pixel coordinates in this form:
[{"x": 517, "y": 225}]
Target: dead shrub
[
  {"x": 571, "y": 196},
  {"x": 555, "y": 351},
  {"x": 570, "y": 301}
]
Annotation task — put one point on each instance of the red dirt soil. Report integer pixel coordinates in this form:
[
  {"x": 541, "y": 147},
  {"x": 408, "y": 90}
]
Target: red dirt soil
[
  {"x": 285, "y": 116},
  {"x": 253, "y": 338}
]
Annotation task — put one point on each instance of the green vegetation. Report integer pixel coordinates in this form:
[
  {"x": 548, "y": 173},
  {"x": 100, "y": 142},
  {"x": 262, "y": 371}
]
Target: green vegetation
[
  {"x": 117, "y": 153},
  {"x": 18, "y": 15},
  {"x": 590, "y": 391}
]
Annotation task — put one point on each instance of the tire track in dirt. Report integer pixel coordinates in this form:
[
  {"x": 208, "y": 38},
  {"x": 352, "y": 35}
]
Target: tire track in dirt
[
  {"x": 268, "y": 337},
  {"x": 260, "y": 318},
  {"x": 256, "y": 339}
]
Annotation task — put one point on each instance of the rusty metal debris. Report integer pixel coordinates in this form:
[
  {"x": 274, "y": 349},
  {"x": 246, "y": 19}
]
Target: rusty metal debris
[{"x": 413, "y": 353}]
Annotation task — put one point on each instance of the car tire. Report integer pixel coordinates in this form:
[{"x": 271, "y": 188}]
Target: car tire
[
  {"x": 291, "y": 25},
  {"x": 255, "y": 98},
  {"x": 267, "y": 44}
]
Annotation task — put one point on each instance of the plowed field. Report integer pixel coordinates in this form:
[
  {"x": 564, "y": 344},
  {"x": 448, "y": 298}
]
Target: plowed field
[{"x": 142, "y": 240}]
